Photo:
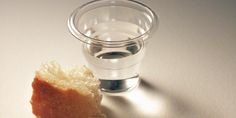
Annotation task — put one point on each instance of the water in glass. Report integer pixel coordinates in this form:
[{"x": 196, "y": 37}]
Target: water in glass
[{"x": 116, "y": 67}]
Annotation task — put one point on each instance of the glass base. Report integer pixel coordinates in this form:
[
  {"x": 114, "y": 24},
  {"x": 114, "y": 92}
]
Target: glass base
[{"x": 113, "y": 87}]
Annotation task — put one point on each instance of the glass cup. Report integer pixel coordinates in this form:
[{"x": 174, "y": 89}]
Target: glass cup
[{"x": 114, "y": 35}]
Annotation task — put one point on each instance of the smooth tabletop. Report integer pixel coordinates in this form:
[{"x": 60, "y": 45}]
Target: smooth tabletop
[{"x": 189, "y": 70}]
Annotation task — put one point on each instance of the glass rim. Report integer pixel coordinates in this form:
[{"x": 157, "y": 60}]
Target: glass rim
[{"x": 78, "y": 34}]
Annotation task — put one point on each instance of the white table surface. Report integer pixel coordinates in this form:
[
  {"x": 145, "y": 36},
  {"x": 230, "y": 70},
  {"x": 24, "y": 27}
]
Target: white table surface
[{"x": 189, "y": 70}]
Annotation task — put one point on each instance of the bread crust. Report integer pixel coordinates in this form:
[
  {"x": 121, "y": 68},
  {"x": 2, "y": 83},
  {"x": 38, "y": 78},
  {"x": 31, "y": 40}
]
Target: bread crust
[{"x": 49, "y": 101}]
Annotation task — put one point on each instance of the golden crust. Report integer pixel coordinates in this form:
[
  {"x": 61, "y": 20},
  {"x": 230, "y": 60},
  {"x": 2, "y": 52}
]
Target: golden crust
[{"x": 49, "y": 101}]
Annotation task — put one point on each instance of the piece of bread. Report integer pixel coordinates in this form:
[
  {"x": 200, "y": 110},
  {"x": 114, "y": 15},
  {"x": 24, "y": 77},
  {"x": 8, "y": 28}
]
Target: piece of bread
[{"x": 59, "y": 93}]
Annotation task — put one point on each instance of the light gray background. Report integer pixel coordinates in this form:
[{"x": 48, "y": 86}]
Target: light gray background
[{"x": 189, "y": 70}]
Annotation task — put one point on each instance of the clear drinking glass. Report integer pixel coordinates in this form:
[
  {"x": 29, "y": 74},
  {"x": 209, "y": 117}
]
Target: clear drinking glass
[{"x": 114, "y": 35}]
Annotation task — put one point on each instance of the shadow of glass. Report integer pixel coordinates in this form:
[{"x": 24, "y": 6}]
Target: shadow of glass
[{"x": 148, "y": 101}]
